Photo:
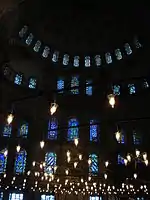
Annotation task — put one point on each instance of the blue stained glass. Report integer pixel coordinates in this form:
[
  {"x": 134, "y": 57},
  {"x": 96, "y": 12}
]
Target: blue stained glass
[
  {"x": 89, "y": 88},
  {"x": 76, "y": 61},
  {"x": 93, "y": 167},
  {"x": 75, "y": 83},
  {"x": 20, "y": 162},
  {"x": 60, "y": 85},
  {"x": 122, "y": 139},
  {"x": 23, "y": 31},
  {"x": 7, "y": 130},
  {"x": 23, "y": 130},
  {"x": 3, "y": 161},
  {"x": 73, "y": 130},
  {"x": 108, "y": 58},
  {"x": 50, "y": 160},
  {"x": 128, "y": 49},
  {"x": 37, "y": 46},
  {"x": 93, "y": 131},
  {"x": 118, "y": 54},
  {"x": 32, "y": 83},
  {"x": 1, "y": 195},
  {"x": 47, "y": 197},
  {"x": 131, "y": 88},
  {"x": 52, "y": 129},
  {"x": 46, "y": 52},
  {"x": 116, "y": 89},
  {"x": 98, "y": 60},
  {"x": 136, "y": 139},
  {"x": 29, "y": 39},
  {"x": 120, "y": 160},
  {"x": 18, "y": 79},
  {"x": 15, "y": 196},
  {"x": 55, "y": 56},
  {"x": 66, "y": 59},
  {"x": 87, "y": 61}
]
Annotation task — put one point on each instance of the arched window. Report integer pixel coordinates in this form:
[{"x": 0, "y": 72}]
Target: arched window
[
  {"x": 18, "y": 79},
  {"x": 37, "y": 46},
  {"x": 47, "y": 197},
  {"x": 128, "y": 49},
  {"x": 60, "y": 85},
  {"x": 32, "y": 83},
  {"x": 131, "y": 88},
  {"x": 7, "y": 130},
  {"x": 93, "y": 167},
  {"x": 136, "y": 138},
  {"x": 52, "y": 129},
  {"x": 23, "y": 130},
  {"x": 55, "y": 56},
  {"x": 75, "y": 85},
  {"x": 23, "y": 31},
  {"x": 73, "y": 129},
  {"x": 66, "y": 59},
  {"x": 20, "y": 162},
  {"x": 118, "y": 54},
  {"x": 116, "y": 89},
  {"x": 29, "y": 39},
  {"x": 15, "y": 196},
  {"x": 87, "y": 61},
  {"x": 89, "y": 87},
  {"x": 120, "y": 160},
  {"x": 46, "y": 52},
  {"x": 98, "y": 60},
  {"x": 3, "y": 161},
  {"x": 50, "y": 162},
  {"x": 108, "y": 58},
  {"x": 76, "y": 61},
  {"x": 94, "y": 131}
]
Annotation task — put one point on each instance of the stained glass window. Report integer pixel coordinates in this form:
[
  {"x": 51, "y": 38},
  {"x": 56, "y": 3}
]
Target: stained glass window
[
  {"x": 93, "y": 131},
  {"x": 7, "y": 130},
  {"x": 75, "y": 83},
  {"x": 20, "y": 162},
  {"x": 98, "y": 60},
  {"x": 73, "y": 129},
  {"x": 3, "y": 161},
  {"x": 76, "y": 61},
  {"x": 47, "y": 197},
  {"x": 120, "y": 160},
  {"x": 131, "y": 88},
  {"x": 52, "y": 129},
  {"x": 128, "y": 49},
  {"x": 23, "y": 31},
  {"x": 29, "y": 39},
  {"x": 60, "y": 85},
  {"x": 55, "y": 56},
  {"x": 116, "y": 89},
  {"x": 66, "y": 59},
  {"x": 136, "y": 138},
  {"x": 122, "y": 138},
  {"x": 87, "y": 61},
  {"x": 137, "y": 43},
  {"x": 1, "y": 195},
  {"x": 37, "y": 46},
  {"x": 50, "y": 161},
  {"x": 108, "y": 58},
  {"x": 118, "y": 54},
  {"x": 32, "y": 83},
  {"x": 18, "y": 79},
  {"x": 89, "y": 88},
  {"x": 23, "y": 130},
  {"x": 46, "y": 52},
  {"x": 93, "y": 167},
  {"x": 15, "y": 196}
]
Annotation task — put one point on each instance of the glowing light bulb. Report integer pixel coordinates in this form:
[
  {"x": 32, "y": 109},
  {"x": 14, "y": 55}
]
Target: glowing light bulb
[
  {"x": 129, "y": 157},
  {"x": 42, "y": 143},
  {"x": 53, "y": 108},
  {"x": 89, "y": 178},
  {"x": 18, "y": 148},
  {"x": 76, "y": 141},
  {"x": 75, "y": 164},
  {"x": 125, "y": 162},
  {"x": 5, "y": 152},
  {"x": 33, "y": 163},
  {"x": 137, "y": 152},
  {"x": 135, "y": 176},
  {"x": 105, "y": 176},
  {"x": 118, "y": 136},
  {"x": 10, "y": 118},
  {"x": 106, "y": 163},
  {"x": 68, "y": 159},
  {"x": 68, "y": 153},
  {"x": 111, "y": 99},
  {"x": 146, "y": 162},
  {"x": 145, "y": 156},
  {"x": 80, "y": 156},
  {"x": 89, "y": 161},
  {"x": 67, "y": 171}
]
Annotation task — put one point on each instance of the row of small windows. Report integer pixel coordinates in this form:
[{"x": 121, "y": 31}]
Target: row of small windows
[
  {"x": 32, "y": 83},
  {"x": 74, "y": 85},
  {"x": 37, "y": 46},
  {"x": 72, "y": 133}
]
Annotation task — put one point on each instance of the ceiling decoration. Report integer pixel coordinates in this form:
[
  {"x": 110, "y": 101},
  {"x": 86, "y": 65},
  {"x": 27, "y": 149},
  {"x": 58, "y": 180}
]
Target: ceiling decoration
[{"x": 56, "y": 56}]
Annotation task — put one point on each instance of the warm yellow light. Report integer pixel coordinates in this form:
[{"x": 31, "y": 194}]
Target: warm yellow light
[
  {"x": 41, "y": 166},
  {"x": 44, "y": 164},
  {"x": 135, "y": 176},
  {"x": 89, "y": 178},
  {"x": 118, "y": 136},
  {"x": 105, "y": 176},
  {"x": 68, "y": 159},
  {"x": 76, "y": 141},
  {"x": 146, "y": 162},
  {"x": 129, "y": 157},
  {"x": 137, "y": 152},
  {"x": 18, "y": 148},
  {"x": 80, "y": 156},
  {"x": 145, "y": 156},
  {"x": 111, "y": 99},
  {"x": 10, "y": 118},
  {"x": 125, "y": 162},
  {"x": 68, "y": 153},
  {"x": 106, "y": 163},
  {"x": 89, "y": 161},
  {"x": 55, "y": 168},
  {"x": 42, "y": 143},
  {"x": 75, "y": 164},
  {"x": 53, "y": 108},
  {"x": 28, "y": 173},
  {"x": 67, "y": 171},
  {"x": 33, "y": 163}
]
